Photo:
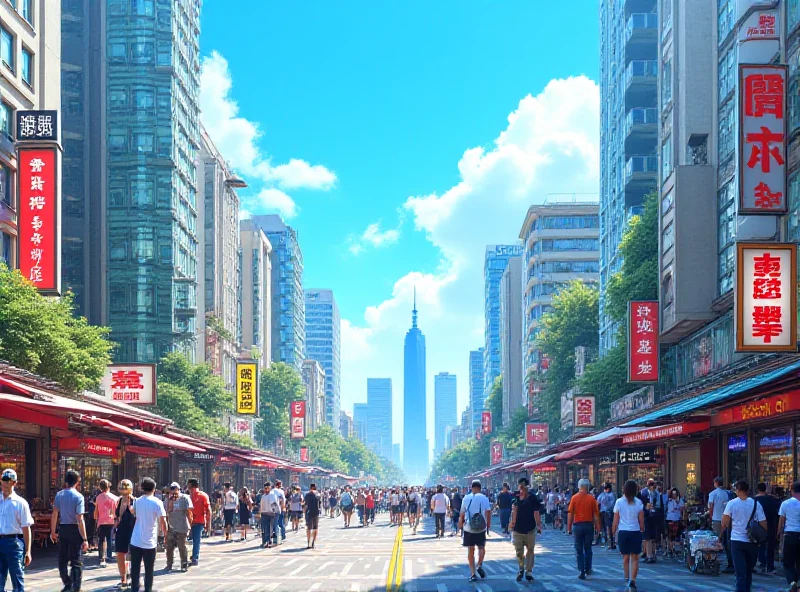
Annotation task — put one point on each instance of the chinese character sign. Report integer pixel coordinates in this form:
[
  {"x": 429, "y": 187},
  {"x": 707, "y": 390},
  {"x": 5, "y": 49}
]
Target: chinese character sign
[
  {"x": 643, "y": 354},
  {"x": 130, "y": 383},
  {"x": 761, "y": 25},
  {"x": 297, "y": 419},
  {"x": 496, "y": 453},
  {"x": 304, "y": 454},
  {"x": 766, "y": 296},
  {"x": 537, "y": 434},
  {"x": 37, "y": 126},
  {"x": 39, "y": 256},
  {"x": 486, "y": 422},
  {"x": 247, "y": 388},
  {"x": 762, "y": 139},
  {"x": 584, "y": 411}
]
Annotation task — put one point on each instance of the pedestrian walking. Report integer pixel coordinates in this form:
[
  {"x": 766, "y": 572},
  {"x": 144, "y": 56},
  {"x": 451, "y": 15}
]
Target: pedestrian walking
[
  {"x": 525, "y": 522},
  {"x": 415, "y": 508},
  {"x": 151, "y": 518},
  {"x": 440, "y": 506},
  {"x": 475, "y": 520},
  {"x": 717, "y": 500},
  {"x": 201, "y": 517},
  {"x": 245, "y": 512},
  {"x": 269, "y": 506},
  {"x": 370, "y": 507},
  {"x": 123, "y": 526},
  {"x": 280, "y": 518},
  {"x": 675, "y": 508},
  {"x": 348, "y": 505},
  {"x": 583, "y": 520},
  {"x": 179, "y": 519},
  {"x": 295, "y": 507},
  {"x": 552, "y": 501},
  {"x": 230, "y": 503},
  {"x": 504, "y": 502},
  {"x": 628, "y": 527},
  {"x": 311, "y": 503},
  {"x": 361, "y": 507},
  {"x": 738, "y": 517},
  {"x": 395, "y": 507},
  {"x": 654, "y": 506},
  {"x": 606, "y": 501},
  {"x": 104, "y": 506},
  {"x": 789, "y": 526},
  {"x": 68, "y": 510},
  {"x": 455, "y": 509},
  {"x": 15, "y": 533},
  {"x": 771, "y": 507}
]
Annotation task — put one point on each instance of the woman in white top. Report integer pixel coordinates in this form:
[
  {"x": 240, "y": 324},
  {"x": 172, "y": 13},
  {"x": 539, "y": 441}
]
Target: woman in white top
[
  {"x": 440, "y": 504},
  {"x": 789, "y": 525},
  {"x": 736, "y": 519},
  {"x": 628, "y": 528}
]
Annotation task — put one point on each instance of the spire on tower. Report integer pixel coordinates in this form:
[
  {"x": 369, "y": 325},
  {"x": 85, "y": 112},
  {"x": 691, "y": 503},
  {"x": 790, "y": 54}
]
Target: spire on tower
[{"x": 414, "y": 310}]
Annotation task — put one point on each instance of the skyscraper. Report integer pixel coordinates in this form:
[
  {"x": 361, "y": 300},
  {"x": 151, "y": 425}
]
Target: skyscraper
[
  {"x": 324, "y": 344},
  {"x": 476, "y": 393},
  {"x": 314, "y": 381},
  {"x": 379, "y": 416},
  {"x": 396, "y": 457},
  {"x": 495, "y": 262},
  {"x": 288, "y": 306},
  {"x": 345, "y": 424},
  {"x": 360, "y": 421},
  {"x": 445, "y": 405},
  {"x": 255, "y": 268},
  {"x": 511, "y": 337},
  {"x": 416, "y": 455}
]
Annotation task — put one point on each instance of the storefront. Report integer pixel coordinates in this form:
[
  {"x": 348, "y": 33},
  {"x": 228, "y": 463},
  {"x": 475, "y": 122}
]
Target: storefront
[
  {"x": 544, "y": 475},
  {"x": 641, "y": 464},
  {"x": 93, "y": 458},
  {"x": 255, "y": 477},
  {"x": 196, "y": 465},
  {"x": 148, "y": 462},
  {"x": 14, "y": 452},
  {"x": 606, "y": 471},
  {"x": 224, "y": 471}
]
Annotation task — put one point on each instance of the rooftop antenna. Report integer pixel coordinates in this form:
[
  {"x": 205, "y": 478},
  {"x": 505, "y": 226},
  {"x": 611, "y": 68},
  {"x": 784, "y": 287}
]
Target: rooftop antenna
[{"x": 414, "y": 311}]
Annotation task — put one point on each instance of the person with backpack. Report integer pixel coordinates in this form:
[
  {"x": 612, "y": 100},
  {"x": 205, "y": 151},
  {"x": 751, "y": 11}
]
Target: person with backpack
[
  {"x": 455, "y": 508},
  {"x": 654, "y": 505},
  {"x": 475, "y": 520},
  {"x": 741, "y": 517},
  {"x": 348, "y": 505},
  {"x": 415, "y": 504}
]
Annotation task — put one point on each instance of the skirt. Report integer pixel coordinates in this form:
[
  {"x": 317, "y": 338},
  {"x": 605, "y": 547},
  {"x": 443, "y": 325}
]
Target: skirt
[
  {"x": 629, "y": 542},
  {"x": 244, "y": 516},
  {"x": 122, "y": 540}
]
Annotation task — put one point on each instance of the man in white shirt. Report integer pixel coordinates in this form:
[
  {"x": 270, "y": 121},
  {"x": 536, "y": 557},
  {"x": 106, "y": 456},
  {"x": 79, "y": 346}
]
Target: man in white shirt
[
  {"x": 280, "y": 523},
  {"x": 789, "y": 525},
  {"x": 150, "y": 518},
  {"x": 736, "y": 520},
  {"x": 230, "y": 503},
  {"x": 717, "y": 500},
  {"x": 475, "y": 520},
  {"x": 15, "y": 532},
  {"x": 269, "y": 506},
  {"x": 440, "y": 506}
]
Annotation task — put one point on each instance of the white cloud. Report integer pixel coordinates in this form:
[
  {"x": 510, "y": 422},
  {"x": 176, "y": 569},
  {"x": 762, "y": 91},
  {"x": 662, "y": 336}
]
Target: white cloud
[
  {"x": 550, "y": 146},
  {"x": 237, "y": 138},
  {"x": 275, "y": 200},
  {"x": 373, "y": 236}
]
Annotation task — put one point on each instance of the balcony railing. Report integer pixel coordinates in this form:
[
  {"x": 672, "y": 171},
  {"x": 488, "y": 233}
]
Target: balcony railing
[
  {"x": 641, "y": 71},
  {"x": 640, "y": 24},
  {"x": 640, "y": 116},
  {"x": 640, "y": 166}
]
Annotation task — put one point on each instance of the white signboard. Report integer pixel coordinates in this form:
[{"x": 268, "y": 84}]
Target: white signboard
[{"x": 130, "y": 383}]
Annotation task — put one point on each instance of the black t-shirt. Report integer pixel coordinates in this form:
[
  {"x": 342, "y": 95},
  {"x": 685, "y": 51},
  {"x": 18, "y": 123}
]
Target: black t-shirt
[
  {"x": 504, "y": 500},
  {"x": 770, "y": 505},
  {"x": 526, "y": 521},
  {"x": 455, "y": 503},
  {"x": 312, "y": 504}
]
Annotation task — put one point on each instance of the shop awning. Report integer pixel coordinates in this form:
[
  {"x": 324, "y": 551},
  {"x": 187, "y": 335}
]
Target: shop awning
[
  {"x": 539, "y": 461},
  {"x": 715, "y": 396},
  {"x": 54, "y": 403},
  {"x": 165, "y": 441},
  {"x": 672, "y": 430},
  {"x": 605, "y": 435},
  {"x": 573, "y": 452}
]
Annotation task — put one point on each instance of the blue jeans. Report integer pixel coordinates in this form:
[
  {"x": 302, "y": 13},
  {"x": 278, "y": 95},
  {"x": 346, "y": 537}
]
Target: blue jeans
[
  {"x": 12, "y": 561},
  {"x": 267, "y": 523},
  {"x": 279, "y": 524},
  {"x": 197, "y": 534},
  {"x": 584, "y": 534},
  {"x": 744, "y": 557},
  {"x": 505, "y": 517}
]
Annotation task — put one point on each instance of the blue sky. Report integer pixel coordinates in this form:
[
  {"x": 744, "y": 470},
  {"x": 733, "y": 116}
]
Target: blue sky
[{"x": 382, "y": 129}]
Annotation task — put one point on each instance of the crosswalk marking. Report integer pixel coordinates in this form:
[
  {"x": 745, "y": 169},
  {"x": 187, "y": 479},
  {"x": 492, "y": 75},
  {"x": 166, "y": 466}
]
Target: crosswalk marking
[
  {"x": 315, "y": 586},
  {"x": 347, "y": 568},
  {"x": 355, "y": 587},
  {"x": 297, "y": 571}
]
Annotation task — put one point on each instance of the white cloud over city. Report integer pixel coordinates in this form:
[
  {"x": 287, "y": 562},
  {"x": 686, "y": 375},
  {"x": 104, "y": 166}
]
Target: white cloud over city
[
  {"x": 372, "y": 237},
  {"x": 237, "y": 139},
  {"x": 550, "y": 146}
]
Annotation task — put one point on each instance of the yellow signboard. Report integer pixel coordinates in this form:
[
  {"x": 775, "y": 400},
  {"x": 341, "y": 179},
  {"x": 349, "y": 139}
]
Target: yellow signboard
[{"x": 247, "y": 388}]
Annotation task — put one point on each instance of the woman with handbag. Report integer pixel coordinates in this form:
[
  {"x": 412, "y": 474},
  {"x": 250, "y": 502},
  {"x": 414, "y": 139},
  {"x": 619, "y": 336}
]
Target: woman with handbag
[{"x": 747, "y": 524}]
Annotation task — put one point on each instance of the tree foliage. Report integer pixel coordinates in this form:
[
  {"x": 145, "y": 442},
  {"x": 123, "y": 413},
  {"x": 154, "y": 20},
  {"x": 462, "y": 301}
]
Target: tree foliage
[
  {"x": 494, "y": 402},
  {"x": 279, "y": 386},
  {"x": 207, "y": 388},
  {"x": 42, "y": 335}
]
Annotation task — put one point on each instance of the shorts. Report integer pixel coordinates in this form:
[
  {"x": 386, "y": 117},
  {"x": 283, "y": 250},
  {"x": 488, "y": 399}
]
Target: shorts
[
  {"x": 474, "y": 539},
  {"x": 312, "y": 522},
  {"x": 629, "y": 542},
  {"x": 228, "y": 515},
  {"x": 608, "y": 518},
  {"x": 395, "y": 509},
  {"x": 653, "y": 527},
  {"x": 295, "y": 514},
  {"x": 673, "y": 529}
]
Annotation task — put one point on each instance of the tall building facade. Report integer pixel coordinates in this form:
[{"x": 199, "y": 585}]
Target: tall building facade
[
  {"x": 396, "y": 456},
  {"x": 629, "y": 127},
  {"x": 288, "y": 306},
  {"x": 360, "y": 421},
  {"x": 314, "y": 381},
  {"x": 416, "y": 454},
  {"x": 379, "y": 416},
  {"x": 30, "y": 78},
  {"x": 495, "y": 262},
  {"x": 218, "y": 274},
  {"x": 445, "y": 415},
  {"x": 477, "y": 394},
  {"x": 346, "y": 424},
  {"x": 324, "y": 344},
  {"x": 254, "y": 325},
  {"x": 511, "y": 337},
  {"x": 561, "y": 245}
]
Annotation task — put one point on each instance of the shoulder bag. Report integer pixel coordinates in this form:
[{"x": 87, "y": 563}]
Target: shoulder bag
[{"x": 755, "y": 532}]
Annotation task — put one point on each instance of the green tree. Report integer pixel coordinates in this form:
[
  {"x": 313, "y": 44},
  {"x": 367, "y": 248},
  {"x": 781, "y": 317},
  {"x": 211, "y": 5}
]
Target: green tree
[
  {"x": 177, "y": 403},
  {"x": 42, "y": 335},
  {"x": 494, "y": 403},
  {"x": 279, "y": 386},
  {"x": 324, "y": 446},
  {"x": 207, "y": 388}
]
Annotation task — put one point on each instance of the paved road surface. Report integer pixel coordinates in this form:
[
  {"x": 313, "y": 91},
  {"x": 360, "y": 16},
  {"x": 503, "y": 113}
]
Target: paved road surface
[{"x": 358, "y": 560}]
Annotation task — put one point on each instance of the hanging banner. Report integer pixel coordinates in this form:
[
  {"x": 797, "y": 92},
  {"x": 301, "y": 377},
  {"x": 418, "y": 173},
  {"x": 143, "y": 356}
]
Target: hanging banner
[
  {"x": 304, "y": 456},
  {"x": 762, "y": 139},
  {"x": 766, "y": 297},
  {"x": 486, "y": 422},
  {"x": 496, "y": 453},
  {"x": 39, "y": 225},
  {"x": 585, "y": 413},
  {"x": 247, "y": 388},
  {"x": 537, "y": 434},
  {"x": 643, "y": 351},
  {"x": 297, "y": 419},
  {"x": 134, "y": 384}
]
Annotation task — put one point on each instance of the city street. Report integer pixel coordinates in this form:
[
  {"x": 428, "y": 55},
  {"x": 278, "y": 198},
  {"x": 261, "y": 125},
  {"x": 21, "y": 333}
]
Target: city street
[{"x": 359, "y": 560}]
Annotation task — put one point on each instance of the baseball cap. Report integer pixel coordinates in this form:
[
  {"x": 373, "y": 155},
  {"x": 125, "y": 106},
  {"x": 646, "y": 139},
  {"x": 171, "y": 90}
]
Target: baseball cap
[
  {"x": 9, "y": 475},
  {"x": 174, "y": 485}
]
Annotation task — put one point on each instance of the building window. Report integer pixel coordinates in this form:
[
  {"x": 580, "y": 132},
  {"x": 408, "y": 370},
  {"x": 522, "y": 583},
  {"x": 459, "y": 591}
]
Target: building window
[
  {"x": 118, "y": 298},
  {"x": 142, "y": 7},
  {"x": 6, "y": 118},
  {"x": 117, "y": 142},
  {"x": 727, "y": 130},
  {"x": 143, "y": 142},
  {"x": 726, "y": 233},
  {"x": 5, "y": 254},
  {"x": 794, "y": 208},
  {"x": 25, "y": 10},
  {"x": 144, "y": 299},
  {"x": 27, "y": 67},
  {"x": 666, "y": 158},
  {"x": 143, "y": 98},
  {"x": 727, "y": 74},
  {"x": 666, "y": 202},
  {"x": 792, "y": 15},
  {"x": 117, "y": 52},
  {"x": 142, "y": 52},
  {"x": 143, "y": 245},
  {"x": 666, "y": 83},
  {"x": 5, "y": 185},
  {"x": 7, "y": 49},
  {"x": 668, "y": 238},
  {"x": 118, "y": 249},
  {"x": 726, "y": 18},
  {"x": 141, "y": 193},
  {"x": 118, "y": 97}
]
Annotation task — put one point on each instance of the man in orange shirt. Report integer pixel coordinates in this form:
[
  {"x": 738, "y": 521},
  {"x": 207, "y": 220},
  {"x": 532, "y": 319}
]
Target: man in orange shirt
[
  {"x": 584, "y": 521},
  {"x": 201, "y": 517}
]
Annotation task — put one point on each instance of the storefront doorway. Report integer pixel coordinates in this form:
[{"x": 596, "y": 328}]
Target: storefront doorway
[{"x": 685, "y": 473}]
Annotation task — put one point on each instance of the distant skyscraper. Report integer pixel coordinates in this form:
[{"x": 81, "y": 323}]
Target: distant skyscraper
[
  {"x": 511, "y": 338},
  {"x": 345, "y": 424},
  {"x": 495, "y": 263},
  {"x": 314, "y": 381},
  {"x": 360, "y": 421},
  {"x": 476, "y": 392},
  {"x": 288, "y": 306},
  {"x": 416, "y": 455},
  {"x": 379, "y": 416},
  {"x": 255, "y": 318},
  {"x": 396, "y": 454},
  {"x": 324, "y": 343},
  {"x": 445, "y": 404}
]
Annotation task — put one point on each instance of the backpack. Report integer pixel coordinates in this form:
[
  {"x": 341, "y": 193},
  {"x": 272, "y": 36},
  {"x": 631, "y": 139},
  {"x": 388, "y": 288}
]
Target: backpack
[
  {"x": 347, "y": 500},
  {"x": 477, "y": 521},
  {"x": 412, "y": 504}
]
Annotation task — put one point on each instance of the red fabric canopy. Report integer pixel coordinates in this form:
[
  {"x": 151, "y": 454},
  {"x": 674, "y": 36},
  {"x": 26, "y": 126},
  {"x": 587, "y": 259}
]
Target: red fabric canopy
[
  {"x": 573, "y": 452},
  {"x": 53, "y": 403},
  {"x": 146, "y": 436}
]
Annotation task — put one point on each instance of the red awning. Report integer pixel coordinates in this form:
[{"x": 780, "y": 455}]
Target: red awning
[
  {"x": 538, "y": 461},
  {"x": 573, "y": 452},
  {"x": 672, "y": 430},
  {"x": 54, "y": 404},
  {"x": 146, "y": 436}
]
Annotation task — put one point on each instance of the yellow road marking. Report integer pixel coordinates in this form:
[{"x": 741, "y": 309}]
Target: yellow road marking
[{"x": 395, "y": 573}]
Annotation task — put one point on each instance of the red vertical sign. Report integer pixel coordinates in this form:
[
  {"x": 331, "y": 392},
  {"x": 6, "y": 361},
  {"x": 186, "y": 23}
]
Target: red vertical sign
[
  {"x": 497, "y": 453},
  {"x": 304, "y": 454},
  {"x": 486, "y": 422},
  {"x": 297, "y": 419},
  {"x": 537, "y": 434},
  {"x": 643, "y": 354},
  {"x": 39, "y": 256}
]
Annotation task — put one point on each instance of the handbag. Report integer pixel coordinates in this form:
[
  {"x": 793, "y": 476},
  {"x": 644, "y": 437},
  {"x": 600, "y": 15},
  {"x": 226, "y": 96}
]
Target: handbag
[{"x": 755, "y": 532}]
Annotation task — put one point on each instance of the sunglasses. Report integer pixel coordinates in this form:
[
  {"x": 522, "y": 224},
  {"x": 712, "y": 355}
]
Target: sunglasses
[{"x": 7, "y": 479}]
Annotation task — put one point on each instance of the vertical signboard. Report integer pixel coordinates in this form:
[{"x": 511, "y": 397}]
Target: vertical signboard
[
  {"x": 297, "y": 419},
  {"x": 537, "y": 434},
  {"x": 486, "y": 422},
  {"x": 766, "y": 297},
  {"x": 130, "y": 383},
  {"x": 247, "y": 388},
  {"x": 304, "y": 454},
  {"x": 585, "y": 415},
  {"x": 643, "y": 354},
  {"x": 762, "y": 139},
  {"x": 496, "y": 453},
  {"x": 38, "y": 224}
]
